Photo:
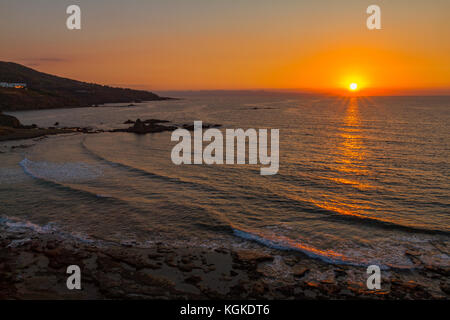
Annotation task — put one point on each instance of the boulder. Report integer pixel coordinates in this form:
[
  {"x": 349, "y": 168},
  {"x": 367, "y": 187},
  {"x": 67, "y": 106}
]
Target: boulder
[
  {"x": 9, "y": 121},
  {"x": 252, "y": 256},
  {"x": 299, "y": 271},
  {"x": 139, "y": 127}
]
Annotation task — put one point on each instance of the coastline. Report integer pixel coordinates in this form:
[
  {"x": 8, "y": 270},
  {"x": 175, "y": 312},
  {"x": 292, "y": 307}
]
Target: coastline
[
  {"x": 103, "y": 104},
  {"x": 33, "y": 266},
  {"x": 17, "y": 131},
  {"x": 9, "y": 134}
]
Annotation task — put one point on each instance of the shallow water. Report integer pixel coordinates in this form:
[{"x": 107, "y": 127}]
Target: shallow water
[{"x": 361, "y": 180}]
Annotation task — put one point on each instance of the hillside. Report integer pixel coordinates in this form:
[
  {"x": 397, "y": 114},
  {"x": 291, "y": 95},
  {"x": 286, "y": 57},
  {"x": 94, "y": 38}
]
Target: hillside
[{"x": 45, "y": 91}]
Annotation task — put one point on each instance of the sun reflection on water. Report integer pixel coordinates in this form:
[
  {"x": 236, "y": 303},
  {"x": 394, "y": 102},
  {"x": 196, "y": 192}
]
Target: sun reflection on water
[{"x": 351, "y": 169}]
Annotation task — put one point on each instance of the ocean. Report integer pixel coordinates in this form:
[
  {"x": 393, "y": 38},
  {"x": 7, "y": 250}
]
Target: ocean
[{"x": 362, "y": 180}]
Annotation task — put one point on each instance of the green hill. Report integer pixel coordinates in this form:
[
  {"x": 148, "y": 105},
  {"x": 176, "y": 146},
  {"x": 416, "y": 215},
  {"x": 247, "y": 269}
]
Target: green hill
[{"x": 45, "y": 91}]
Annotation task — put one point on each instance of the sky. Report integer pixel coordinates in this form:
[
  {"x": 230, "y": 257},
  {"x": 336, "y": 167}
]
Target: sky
[{"x": 235, "y": 44}]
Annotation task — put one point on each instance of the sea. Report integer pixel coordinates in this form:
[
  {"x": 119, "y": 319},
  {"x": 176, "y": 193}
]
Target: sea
[{"x": 361, "y": 180}]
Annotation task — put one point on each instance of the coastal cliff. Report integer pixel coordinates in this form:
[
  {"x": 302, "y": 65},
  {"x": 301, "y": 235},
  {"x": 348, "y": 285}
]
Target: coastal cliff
[{"x": 45, "y": 91}]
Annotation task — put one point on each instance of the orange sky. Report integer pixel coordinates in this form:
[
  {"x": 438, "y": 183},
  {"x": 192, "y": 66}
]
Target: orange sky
[{"x": 243, "y": 44}]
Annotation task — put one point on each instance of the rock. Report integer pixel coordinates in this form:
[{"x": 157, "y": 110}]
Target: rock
[
  {"x": 9, "y": 121},
  {"x": 186, "y": 267},
  {"x": 252, "y": 256},
  {"x": 290, "y": 261},
  {"x": 33, "y": 126},
  {"x": 153, "y": 121},
  {"x": 211, "y": 268},
  {"x": 193, "y": 279},
  {"x": 151, "y": 280},
  {"x": 147, "y": 126},
  {"x": 129, "y": 122},
  {"x": 139, "y": 126},
  {"x": 258, "y": 288},
  {"x": 161, "y": 250},
  {"x": 190, "y": 127},
  {"x": 170, "y": 260},
  {"x": 155, "y": 256},
  {"x": 186, "y": 260},
  {"x": 339, "y": 273},
  {"x": 445, "y": 271},
  {"x": 445, "y": 288},
  {"x": 299, "y": 271},
  {"x": 22, "y": 146},
  {"x": 313, "y": 284},
  {"x": 221, "y": 250}
]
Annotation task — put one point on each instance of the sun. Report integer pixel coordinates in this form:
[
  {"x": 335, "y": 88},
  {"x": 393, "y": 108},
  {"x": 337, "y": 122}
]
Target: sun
[{"x": 353, "y": 86}]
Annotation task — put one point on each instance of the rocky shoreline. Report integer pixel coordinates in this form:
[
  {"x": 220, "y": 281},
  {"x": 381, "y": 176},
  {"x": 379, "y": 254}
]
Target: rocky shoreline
[
  {"x": 33, "y": 263},
  {"x": 12, "y": 129},
  {"x": 33, "y": 266}
]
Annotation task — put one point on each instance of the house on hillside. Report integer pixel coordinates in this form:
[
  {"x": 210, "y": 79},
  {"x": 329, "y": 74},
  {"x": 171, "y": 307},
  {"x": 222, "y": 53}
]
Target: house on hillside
[{"x": 13, "y": 85}]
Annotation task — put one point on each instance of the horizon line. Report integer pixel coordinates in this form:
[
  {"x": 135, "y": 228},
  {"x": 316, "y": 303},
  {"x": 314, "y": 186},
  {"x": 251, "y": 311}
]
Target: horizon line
[{"x": 330, "y": 92}]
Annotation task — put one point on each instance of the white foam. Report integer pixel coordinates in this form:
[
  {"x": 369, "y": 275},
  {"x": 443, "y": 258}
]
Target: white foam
[
  {"x": 19, "y": 225},
  {"x": 385, "y": 253}
]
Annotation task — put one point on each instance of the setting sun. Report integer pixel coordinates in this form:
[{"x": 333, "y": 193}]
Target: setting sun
[{"x": 353, "y": 86}]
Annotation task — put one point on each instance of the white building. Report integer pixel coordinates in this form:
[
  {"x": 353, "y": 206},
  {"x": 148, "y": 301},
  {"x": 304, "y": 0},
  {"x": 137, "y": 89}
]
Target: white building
[{"x": 13, "y": 85}]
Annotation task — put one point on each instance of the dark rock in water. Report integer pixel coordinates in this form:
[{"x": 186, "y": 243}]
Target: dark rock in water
[
  {"x": 86, "y": 130},
  {"x": 9, "y": 121},
  {"x": 147, "y": 126},
  {"x": 148, "y": 121},
  {"x": 151, "y": 121},
  {"x": 56, "y": 124},
  {"x": 260, "y": 108},
  {"x": 139, "y": 127},
  {"x": 190, "y": 127}
]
